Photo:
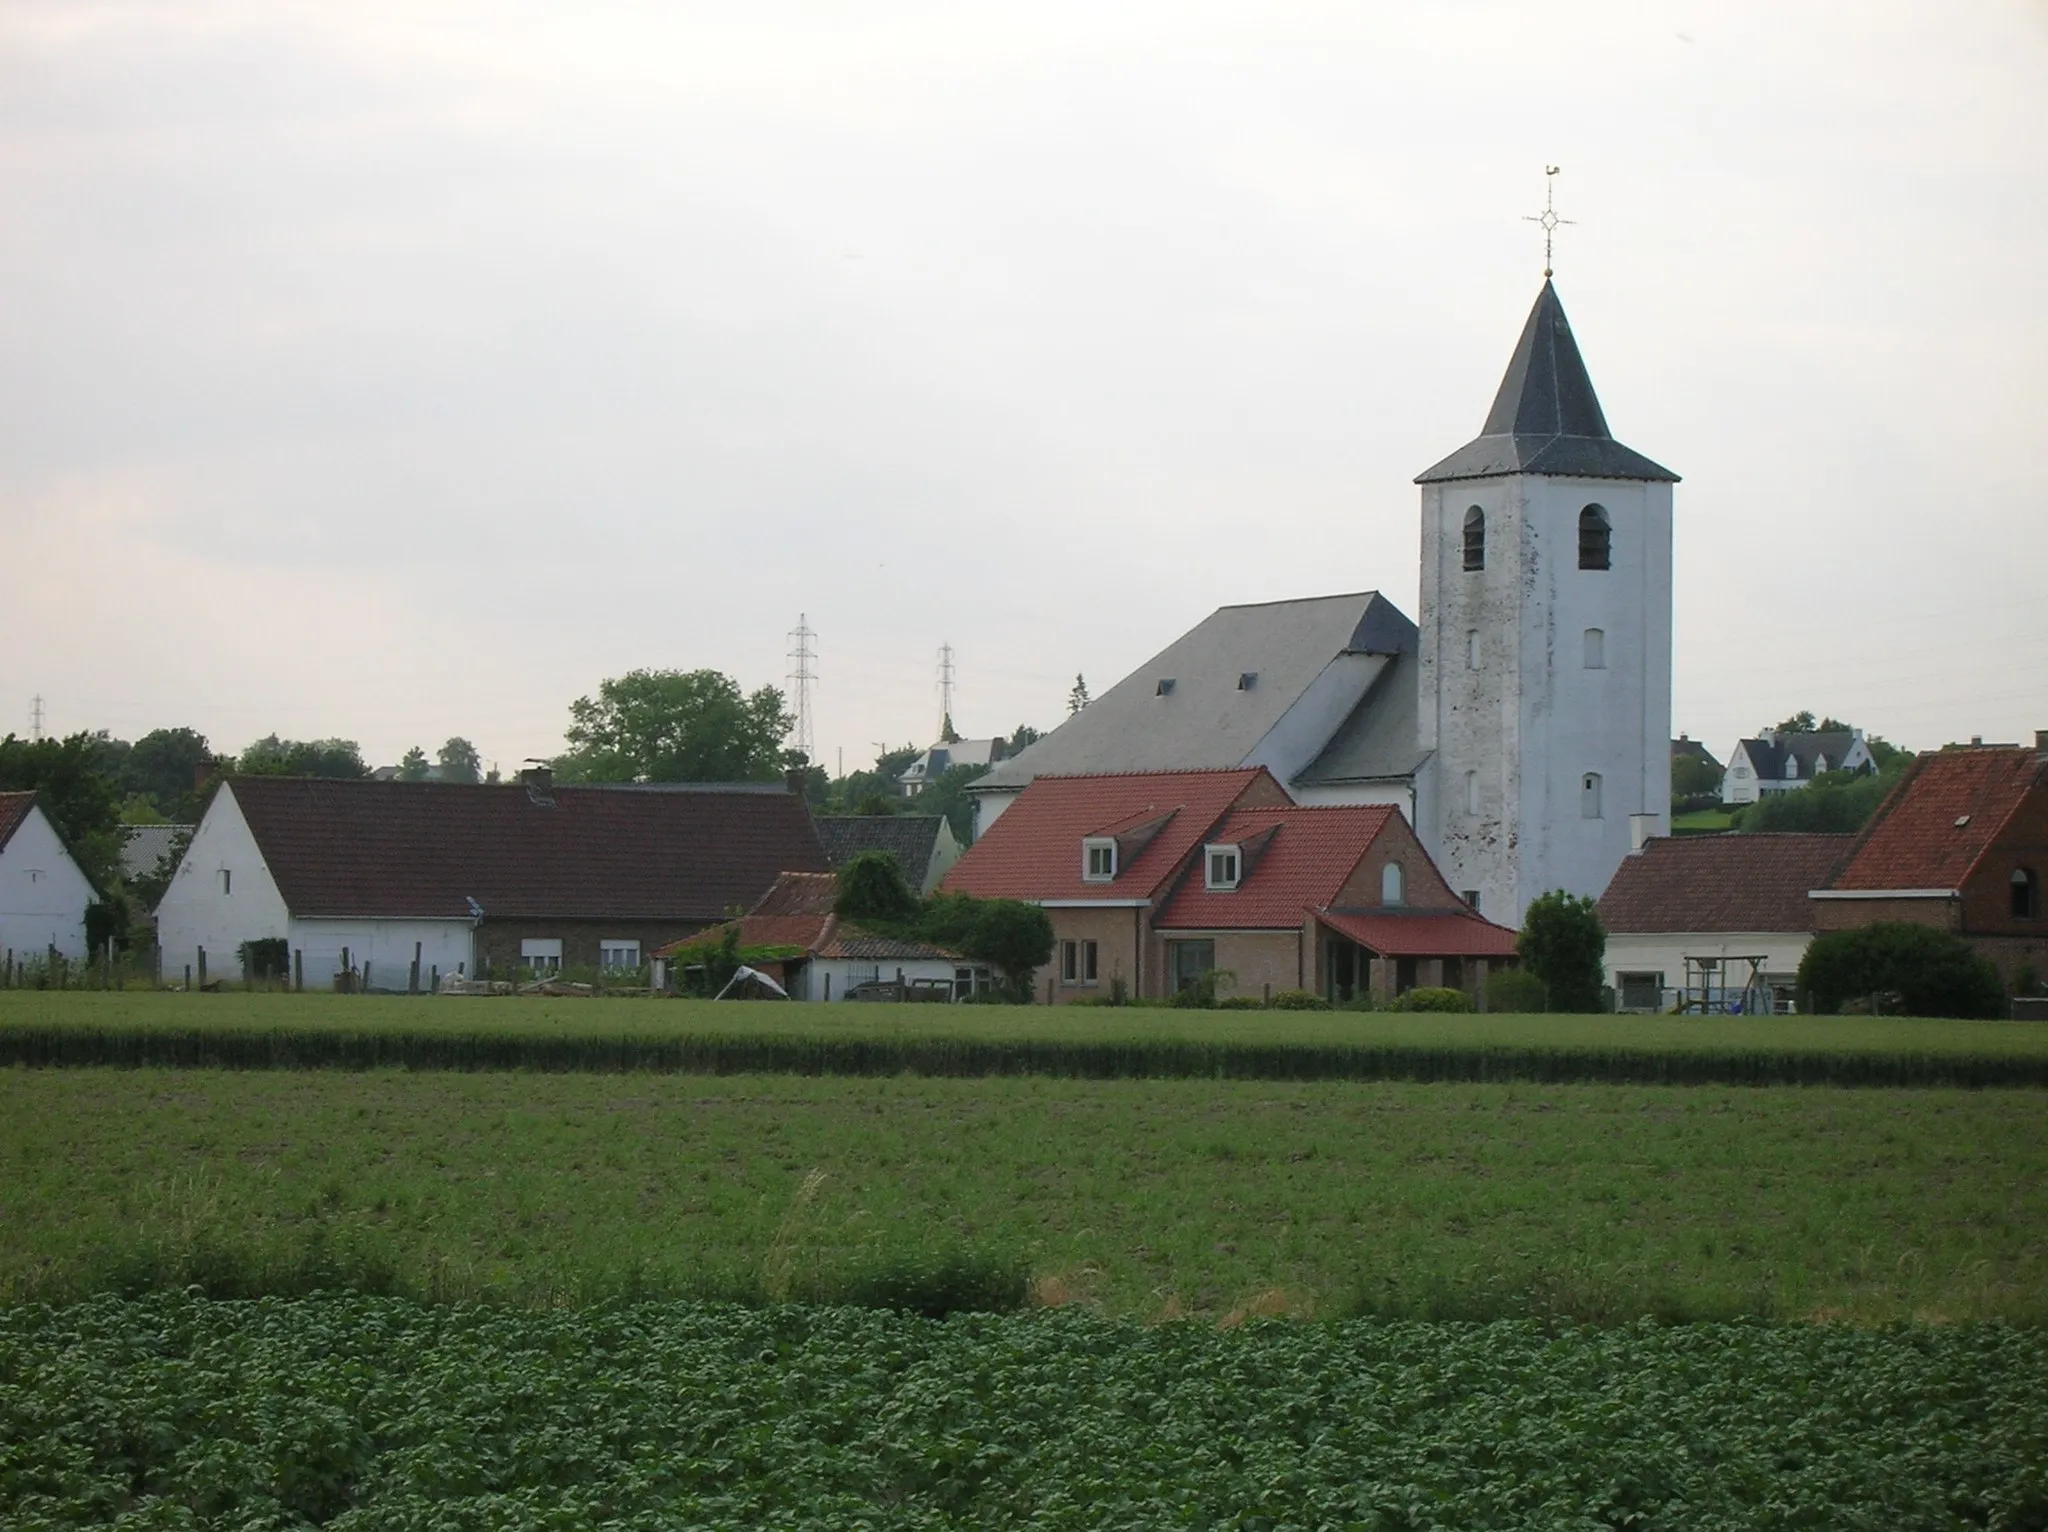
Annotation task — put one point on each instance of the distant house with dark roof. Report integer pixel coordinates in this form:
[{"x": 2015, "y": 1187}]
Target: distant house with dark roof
[
  {"x": 943, "y": 757},
  {"x": 43, "y": 892},
  {"x": 923, "y": 844},
  {"x": 1153, "y": 879},
  {"x": 528, "y": 875},
  {"x": 1785, "y": 762},
  {"x": 1686, "y": 916},
  {"x": 1960, "y": 843}
]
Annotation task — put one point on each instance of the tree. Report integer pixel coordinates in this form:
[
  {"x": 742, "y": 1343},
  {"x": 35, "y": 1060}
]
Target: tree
[
  {"x": 1013, "y": 936},
  {"x": 274, "y": 757},
  {"x": 1907, "y": 969},
  {"x": 414, "y": 767},
  {"x": 948, "y": 735},
  {"x": 1024, "y": 735},
  {"x": 1078, "y": 698},
  {"x": 674, "y": 726},
  {"x": 459, "y": 761},
  {"x": 872, "y": 888},
  {"x": 1562, "y": 943},
  {"x": 874, "y": 791},
  {"x": 165, "y": 765},
  {"x": 82, "y": 804},
  {"x": 1694, "y": 777},
  {"x": 1835, "y": 802}
]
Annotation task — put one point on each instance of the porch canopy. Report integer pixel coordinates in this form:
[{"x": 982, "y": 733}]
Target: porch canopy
[{"x": 1424, "y": 934}]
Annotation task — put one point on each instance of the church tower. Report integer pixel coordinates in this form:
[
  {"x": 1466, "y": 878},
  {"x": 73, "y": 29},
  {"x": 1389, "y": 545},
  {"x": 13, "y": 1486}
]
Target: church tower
[{"x": 1545, "y": 680}]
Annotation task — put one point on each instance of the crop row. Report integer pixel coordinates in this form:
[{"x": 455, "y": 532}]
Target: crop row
[{"x": 357, "y": 1412}]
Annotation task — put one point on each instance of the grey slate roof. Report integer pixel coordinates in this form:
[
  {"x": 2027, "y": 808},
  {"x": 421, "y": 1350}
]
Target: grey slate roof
[
  {"x": 960, "y": 752},
  {"x": 146, "y": 845},
  {"x": 1378, "y": 742},
  {"x": 1207, "y": 720},
  {"x": 909, "y": 838},
  {"x": 1546, "y": 419},
  {"x": 1767, "y": 757}
]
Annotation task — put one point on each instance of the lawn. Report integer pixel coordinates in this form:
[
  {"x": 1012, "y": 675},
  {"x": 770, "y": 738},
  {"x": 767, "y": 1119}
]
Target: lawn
[
  {"x": 1140, "y": 1198},
  {"x": 1703, "y": 822}
]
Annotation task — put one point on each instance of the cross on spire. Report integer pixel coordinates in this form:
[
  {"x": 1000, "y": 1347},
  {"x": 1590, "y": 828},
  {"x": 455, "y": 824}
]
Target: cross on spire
[{"x": 1548, "y": 217}]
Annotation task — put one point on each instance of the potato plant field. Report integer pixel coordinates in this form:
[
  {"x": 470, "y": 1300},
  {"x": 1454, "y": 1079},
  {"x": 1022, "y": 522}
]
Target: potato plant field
[{"x": 358, "y": 1413}]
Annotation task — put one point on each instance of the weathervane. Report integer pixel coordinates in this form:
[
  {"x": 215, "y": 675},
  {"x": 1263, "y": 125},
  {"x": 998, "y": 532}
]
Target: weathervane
[{"x": 1548, "y": 217}]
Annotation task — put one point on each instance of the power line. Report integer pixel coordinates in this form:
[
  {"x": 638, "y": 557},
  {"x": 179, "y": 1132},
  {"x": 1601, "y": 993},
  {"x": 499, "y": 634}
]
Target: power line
[
  {"x": 801, "y": 680},
  {"x": 36, "y": 716}
]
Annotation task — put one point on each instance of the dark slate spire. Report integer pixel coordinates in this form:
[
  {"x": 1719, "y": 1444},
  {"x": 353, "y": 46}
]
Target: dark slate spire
[{"x": 1546, "y": 418}]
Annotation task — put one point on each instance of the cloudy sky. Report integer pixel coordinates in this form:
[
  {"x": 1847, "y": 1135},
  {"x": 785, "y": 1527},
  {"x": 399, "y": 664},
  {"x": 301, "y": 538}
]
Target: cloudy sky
[{"x": 394, "y": 371}]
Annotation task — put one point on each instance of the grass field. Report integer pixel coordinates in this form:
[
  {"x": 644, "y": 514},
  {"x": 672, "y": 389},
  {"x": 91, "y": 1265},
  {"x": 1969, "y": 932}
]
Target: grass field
[
  {"x": 359, "y": 1413},
  {"x": 287, "y": 1031},
  {"x": 1145, "y": 1198}
]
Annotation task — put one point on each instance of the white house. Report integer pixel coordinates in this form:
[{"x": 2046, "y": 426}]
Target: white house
[
  {"x": 43, "y": 892},
  {"x": 1781, "y": 762},
  {"x": 1709, "y": 917},
  {"x": 943, "y": 757}
]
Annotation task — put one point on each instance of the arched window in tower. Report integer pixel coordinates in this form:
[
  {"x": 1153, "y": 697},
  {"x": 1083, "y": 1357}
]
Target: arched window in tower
[
  {"x": 1596, "y": 649},
  {"x": 2026, "y": 894},
  {"x": 1472, "y": 792},
  {"x": 1392, "y": 888},
  {"x": 1475, "y": 538},
  {"x": 1471, "y": 648},
  {"x": 1596, "y": 538},
  {"x": 1589, "y": 795}
]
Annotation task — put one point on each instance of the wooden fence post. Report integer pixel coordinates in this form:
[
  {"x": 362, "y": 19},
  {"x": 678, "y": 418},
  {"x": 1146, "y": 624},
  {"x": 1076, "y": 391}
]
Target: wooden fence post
[
  {"x": 412, "y": 978},
  {"x": 202, "y": 968},
  {"x": 366, "y": 976},
  {"x": 299, "y": 970}
]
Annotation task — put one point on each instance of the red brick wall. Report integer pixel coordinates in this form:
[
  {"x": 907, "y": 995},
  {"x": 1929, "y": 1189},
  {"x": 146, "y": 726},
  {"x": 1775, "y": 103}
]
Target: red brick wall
[
  {"x": 1987, "y": 894},
  {"x": 1850, "y": 914},
  {"x": 1424, "y": 887},
  {"x": 1116, "y": 935}
]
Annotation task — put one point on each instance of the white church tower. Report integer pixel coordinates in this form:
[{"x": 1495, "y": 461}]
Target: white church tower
[{"x": 1545, "y": 681}]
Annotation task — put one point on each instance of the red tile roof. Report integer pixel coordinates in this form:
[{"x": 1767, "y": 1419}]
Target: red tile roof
[
  {"x": 1423, "y": 934},
  {"x": 1938, "y": 821},
  {"x": 799, "y": 893},
  {"x": 14, "y": 809},
  {"x": 1682, "y": 883},
  {"x": 683, "y": 852},
  {"x": 818, "y": 936},
  {"x": 1034, "y": 850},
  {"x": 1306, "y": 862}
]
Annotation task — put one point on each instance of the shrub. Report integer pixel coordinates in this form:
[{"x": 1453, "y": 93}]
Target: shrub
[
  {"x": 1515, "y": 992},
  {"x": 1893, "y": 966},
  {"x": 269, "y": 958},
  {"x": 1432, "y": 997},
  {"x": 1200, "y": 994},
  {"x": 1241, "y": 1003},
  {"x": 872, "y": 887},
  {"x": 1299, "y": 1000},
  {"x": 1562, "y": 944}
]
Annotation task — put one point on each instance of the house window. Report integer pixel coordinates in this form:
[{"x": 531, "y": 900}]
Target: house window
[
  {"x": 1596, "y": 649},
  {"x": 227, "y": 881},
  {"x": 1393, "y": 885},
  {"x": 1641, "y": 991},
  {"x": 615, "y": 954},
  {"x": 1098, "y": 860},
  {"x": 542, "y": 954},
  {"x": 1471, "y": 792},
  {"x": 1186, "y": 962},
  {"x": 1078, "y": 962},
  {"x": 1589, "y": 795},
  {"x": 1742, "y": 773},
  {"x": 2026, "y": 894},
  {"x": 1596, "y": 537},
  {"x": 1471, "y": 897},
  {"x": 1223, "y": 865},
  {"x": 1472, "y": 649},
  {"x": 1475, "y": 538}
]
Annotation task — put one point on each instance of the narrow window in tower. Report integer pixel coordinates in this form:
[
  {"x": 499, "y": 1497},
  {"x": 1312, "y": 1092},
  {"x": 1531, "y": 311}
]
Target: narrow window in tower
[
  {"x": 1589, "y": 795},
  {"x": 1596, "y": 649},
  {"x": 1475, "y": 538},
  {"x": 1596, "y": 536},
  {"x": 1472, "y": 792},
  {"x": 1472, "y": 649}
]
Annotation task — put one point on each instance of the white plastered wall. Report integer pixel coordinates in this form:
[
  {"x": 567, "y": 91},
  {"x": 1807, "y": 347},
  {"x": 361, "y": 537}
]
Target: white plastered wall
[
  {"x": 1666, "y": 952},
  {"x": 200, "y": 909},
  {"x": 386, "y": 945},
  {"x": 43, "y": 893}
]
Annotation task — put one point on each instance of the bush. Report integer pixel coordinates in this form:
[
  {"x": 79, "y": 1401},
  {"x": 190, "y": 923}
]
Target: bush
[
  {"x": 1432, "y": 997},
  {"x": 1896, "y": 967},
  {"x": 1516, "y": 992},
  {"x": 1200, "y": 994},
  {"x": 872, "y": 887},
  {"x": 1015, "y": 938},
  {"x": 1241, "y": 1003},
  {"x": 269, "y": 958},
  {"x": 1299, "y": 1000},
  {"x": 1562, "y": 944}
]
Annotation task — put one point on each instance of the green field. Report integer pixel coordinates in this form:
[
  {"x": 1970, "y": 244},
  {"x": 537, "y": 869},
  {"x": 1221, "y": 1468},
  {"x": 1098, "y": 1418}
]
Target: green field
[
  {"x": 1143, "y": 1198},
  {"x": 358, "y": 1413},
  {"x": 301, "y": 1031}
]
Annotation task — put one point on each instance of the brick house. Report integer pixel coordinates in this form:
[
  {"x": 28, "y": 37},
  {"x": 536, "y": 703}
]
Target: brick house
[
  {"x": 1154, "y": 878},
  {"x": 1960, "y": 843},
  {"x": 473, "y": 878}
]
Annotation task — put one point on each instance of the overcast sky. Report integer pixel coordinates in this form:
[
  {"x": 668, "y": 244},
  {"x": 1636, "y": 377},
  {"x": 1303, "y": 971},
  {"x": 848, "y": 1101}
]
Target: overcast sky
[{"x": 399, "y": 371}]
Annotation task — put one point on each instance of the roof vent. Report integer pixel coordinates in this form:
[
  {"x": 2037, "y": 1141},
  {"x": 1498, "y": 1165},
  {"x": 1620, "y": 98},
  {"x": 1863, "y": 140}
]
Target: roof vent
[
  {"x": 1961, "y": 820},
  {"x": 1164, "y": 688},
  {"x": 1247, "y": 680}
]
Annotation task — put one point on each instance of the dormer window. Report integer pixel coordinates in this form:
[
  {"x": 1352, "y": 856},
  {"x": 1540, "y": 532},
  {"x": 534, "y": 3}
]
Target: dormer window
[
  {"x": 1098, "y": 859},
  {"x": 1224, "y": 863},
  {"x": 1164, "y": 688}
]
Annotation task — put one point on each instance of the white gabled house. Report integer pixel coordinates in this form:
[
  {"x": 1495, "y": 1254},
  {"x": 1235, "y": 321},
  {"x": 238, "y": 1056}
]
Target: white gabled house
[
  {"x": 1785, "y": 762},
  {"x": 43, "y": 892}
]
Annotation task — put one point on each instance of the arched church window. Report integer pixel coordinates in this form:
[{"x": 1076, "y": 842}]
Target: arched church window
[
  {"x": 1393, "y": 889},
  {"x": 1596, "y": 538},
  {"x": 1589, "y": 795},
  {"x": 1475, "y": 538},
  {"x": 2026, "y": 894},
  {"x": 1596, "y": 649}
]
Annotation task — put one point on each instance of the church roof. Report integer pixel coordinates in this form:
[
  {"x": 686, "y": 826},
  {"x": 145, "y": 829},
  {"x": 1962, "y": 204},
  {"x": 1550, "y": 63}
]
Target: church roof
[{"x": 1546, "y": 418}]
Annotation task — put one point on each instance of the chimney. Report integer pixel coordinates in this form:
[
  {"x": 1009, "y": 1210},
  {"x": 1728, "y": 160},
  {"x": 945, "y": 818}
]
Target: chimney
[
  {"x": 539, "y": 781},
  {"x": 796, "y": 779},
  {"x": 203, "y": 774},
  {"x": 2041, "y": 741},
  {"x": 1976, "y": 739},
  {"x": 1640, "y": 828}
]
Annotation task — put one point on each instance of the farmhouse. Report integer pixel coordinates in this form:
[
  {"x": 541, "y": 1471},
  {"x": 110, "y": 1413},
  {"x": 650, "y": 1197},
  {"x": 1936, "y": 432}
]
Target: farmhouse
[
  {"x": 43, "y": 892},
  {"x": 1960, "y": 843},
  {"x": 1720, "y": 921},
  {"x": 1523, "y": 726},
  {"x": 466, "y": 878}
]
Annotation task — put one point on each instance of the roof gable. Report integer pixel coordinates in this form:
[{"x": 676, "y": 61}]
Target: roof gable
[
  {"x": 910, "y": 838},
  {"x": 1681, "y": 883},
  {"x": 1945, "y": 812},
  {"x": 1307, "y": 858},
  {"x": 667, "y": 852},
  {"x": 1034, "y": 851}
]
